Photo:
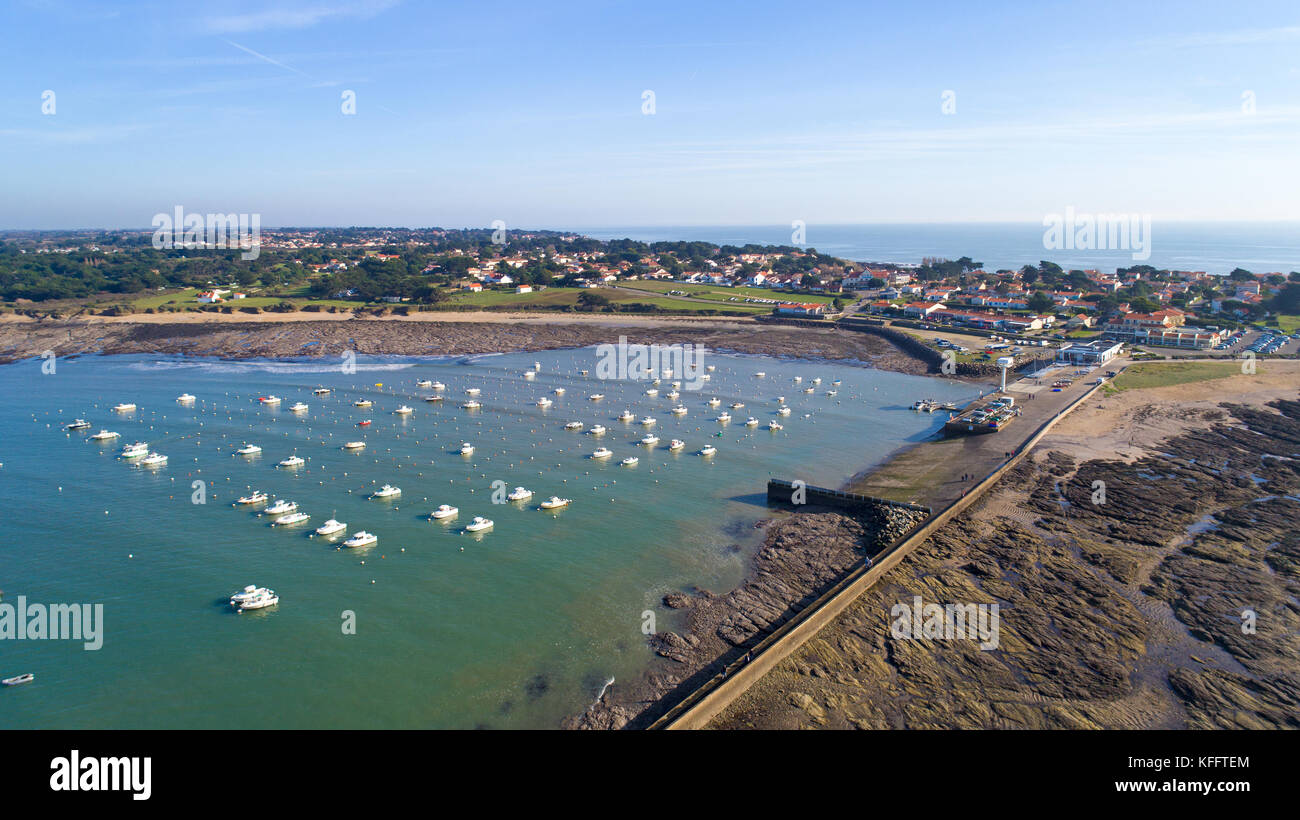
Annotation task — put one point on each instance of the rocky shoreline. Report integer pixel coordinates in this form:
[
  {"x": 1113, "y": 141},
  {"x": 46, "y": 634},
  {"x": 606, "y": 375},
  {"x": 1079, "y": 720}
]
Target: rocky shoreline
[
  {"x": 803, "y": 554},
  {"x": 324, "y": 338}
]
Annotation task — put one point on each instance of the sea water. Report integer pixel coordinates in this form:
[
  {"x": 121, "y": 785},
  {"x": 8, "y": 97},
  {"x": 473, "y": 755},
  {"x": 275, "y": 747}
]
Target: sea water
[{"x": 517, "y": 627}]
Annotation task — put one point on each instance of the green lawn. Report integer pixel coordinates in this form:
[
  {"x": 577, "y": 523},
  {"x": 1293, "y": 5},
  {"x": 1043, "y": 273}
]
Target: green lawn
[
  {"x": 715, "y": 293},
  {"x": 555, "y": 297},
  {"x": 1163, "y": 374},
  {"x": 1288, "y": 322}
]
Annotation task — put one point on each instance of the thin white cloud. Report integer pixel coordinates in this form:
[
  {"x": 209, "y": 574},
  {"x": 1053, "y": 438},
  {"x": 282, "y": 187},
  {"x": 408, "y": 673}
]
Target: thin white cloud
[
  {"x": 267, "y": 59},
  {"x": 1240, "y": 37},
  {"x": 294, "y": 17}
]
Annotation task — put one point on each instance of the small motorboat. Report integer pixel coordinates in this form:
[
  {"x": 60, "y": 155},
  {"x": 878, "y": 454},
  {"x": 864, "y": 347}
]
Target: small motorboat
[
  {"x": 574, "y": 425},
  {"x": 269, "y": 399},
  {"x": 471, "y": 405},
  {"x": 647, "y": 421},
  {"x": 775, "y": 425},
  {"x": 321, "y": 391},
  {"x": 154, "y": 460},
  {"x": 293, "y": 461},
  {"x": 714, "y": 402},
  {"x": 543, "y": 401},
  {"x": 363, "y": 403},
  {"x": 751, "y": 422},
  {"x": 248, "y": 593},
  {"x": 438, "y": 386},
  {"x": 125, "y": 407},
  {"x": 387, "y": 491},
  {"x": 248, "y": 450},
  {"x": 444, "y": 511},
  {"x": 708, "y": 450},
  {"x": 680, "y": 410},
  {"x": 290, "y": 519},
  {"x": 365, "y": 423},
  {"x": 331, "y": 527},
  {"x": 520, "y": 494},
  {"x": 185, "y": 398},
  {"x": 626, "y": 415},
  {"x": 298, "y": 407},
  {"x": 478, "y": 524},
  {"x": 724, "y": 418},
  {"x": 467, "y": 449},
  {"x": 737, "y": 405},
  {"x": 596, "y": 396},
  {"x": 361, "y": 539},
  {"x": 282, "y": 507},
  {"x": 423, "y": 383},
  {"x": 135, "y": 450},
  {"x": 18, "y": 680},
  {"x": 650, "y": 440},
  {"x": 676, "y": 444},
  {"x": 652, "y": 392},
  {"x": 255, "y": 497},
  {"x": 559, "y": 391},
  {"x": 355, "y": 445},
  {"x": 82, "y": 424},
  {"x": 555, "y": 503},
  {"x": 630, "y": 461},
  {"x": 265, "y": 599},
  {"x": 784, "y": 411},
  {"x": 596, "y": 430},
  {"x": 105, "y": 435},
  {"x": 602, "y": 452},
  {"x": 404, "y": 411},
  {"x": 760, "y": 374},
  {"x": 472, "y": 391},
  {"x": 433, "y": 398}
]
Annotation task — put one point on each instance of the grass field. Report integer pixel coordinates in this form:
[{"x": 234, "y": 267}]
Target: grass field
[
  {"x": 720, "y": 294},
  {"x": 555, "y": 297},
  {"x": 1164, "y": 374}
]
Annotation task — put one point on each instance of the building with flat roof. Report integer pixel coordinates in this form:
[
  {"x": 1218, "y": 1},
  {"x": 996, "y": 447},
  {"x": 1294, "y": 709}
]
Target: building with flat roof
[{"x": 1093, "y": 353}]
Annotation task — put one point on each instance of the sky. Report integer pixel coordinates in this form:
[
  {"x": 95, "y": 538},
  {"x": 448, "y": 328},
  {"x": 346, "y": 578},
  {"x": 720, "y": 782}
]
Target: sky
[{"x": 537, "y": 114}]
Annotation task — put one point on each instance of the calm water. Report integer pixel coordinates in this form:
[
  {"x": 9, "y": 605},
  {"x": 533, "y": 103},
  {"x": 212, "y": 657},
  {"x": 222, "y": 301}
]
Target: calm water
[
  {"x": 1214, "y": 247},
  {"x": 515, "y": 628}
]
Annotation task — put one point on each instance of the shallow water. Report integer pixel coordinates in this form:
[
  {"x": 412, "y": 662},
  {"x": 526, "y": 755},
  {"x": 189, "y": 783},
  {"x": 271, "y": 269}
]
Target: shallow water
[{"x": 517, "y": 627}]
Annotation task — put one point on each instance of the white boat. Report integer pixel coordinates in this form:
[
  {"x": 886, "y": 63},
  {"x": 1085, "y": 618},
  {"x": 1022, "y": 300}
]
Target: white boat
[
  {"x": 467, "y": 449},
  {"x": 760, "y": 374},
  {"x": 282, "y": 507},
  {"x": 363, "y": 403},
  {"x": 404, "y": 411},
  {"x": 817, "y": 380},
  {"x": 438, "y": 386},
  {"x": 444, "y": 511},
  {"x": 680, "y": 410},
  {"x": 433, "y": 398},
  {"x": 832, "y": 392},
  {"x": 106, "y": 435},
  {"x": 79, "y": 424},
  {"x": 668, "y": 373},
  {"x": 293, "y": 461},
  {"x": 737, "y": 405},
  {"x": 784, "y": 411},
  {"x": 267, "y": 598},
  {"x": 135, "y": 450},
  {"x": 472, "y": 391},
  {"x": 331, "y": 527},
  {"x": 708, "y": 450},
  {"x": 478, "y": 524},
  {"x": 125, "y": 407},
  {"x": 537, "y": 365},
  {"x": 248, "y": 593},
  {"x": 798, "y": 379},
  {"x": 780, "y": 399},
  {"x": 471, "y": 405},
  {"x": 574, "y": 425},
  {"x": 672, "y": 394},
  {"x": 355, "y": 445},
  {"x": 704, "y": 377},
  {"x": 596, "y": 430},
  {"x": 775, "y": 425},
  {"x": 626, "y": 415},
  {"x": 185, "y": 398},
  {"x": 520, "y": 494},
  {"x": 676, "y": 444},
  {"x": 544, "y": 402},
  {"x": 298, "y": 407},
  {"x": 387, "y": 491},
  {"x": 528, "y": 374},
  {"x": 630, "y": 461},
  {"x": 751, "y": 422},
  {"x": 249, "y": 450},
  {"x": 321, "y": 391},
  {"x": 652, "y": 392},
  {"x": 18, "y": 680},
  {"x": 809, "y": 389},
  {"x": 647, "y": 421},
  {"x": 361, "y": 539},
  {"x": 154, "y": 460},
  {"x": 269, "y": 399},
  {"x": 255, "y": 497},
  {"x": 711, "y": 368},
  {"x": 596, "y": 396},
  {"x": 650, "y": 440},
  {"x": 714, "y": 402},
  {"x": 559, "y": 391},
  {"x": 423, "y": 383},
  {"x": 555, "y": 502},
  {"x": 724, "y": 418},
  {"x": 290, "y": 519},
  {"x": 602, "y": 452}
]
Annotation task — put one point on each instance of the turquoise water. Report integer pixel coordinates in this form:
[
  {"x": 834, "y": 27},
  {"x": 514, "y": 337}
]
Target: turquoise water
[{"x": 515, "y": 628}]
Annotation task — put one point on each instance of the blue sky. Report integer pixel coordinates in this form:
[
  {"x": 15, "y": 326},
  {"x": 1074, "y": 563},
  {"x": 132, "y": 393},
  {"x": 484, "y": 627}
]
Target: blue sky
[{"x": 765, "y": 112}]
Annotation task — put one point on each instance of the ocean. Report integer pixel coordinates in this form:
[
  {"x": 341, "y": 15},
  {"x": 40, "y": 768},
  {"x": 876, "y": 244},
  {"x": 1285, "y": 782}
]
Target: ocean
[
  {"x": 1214, "y": 247},
  {"x": 514, "y": 628}
]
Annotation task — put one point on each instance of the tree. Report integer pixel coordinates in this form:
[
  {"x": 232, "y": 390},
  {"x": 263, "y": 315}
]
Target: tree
[
  {"x": 591, "y": 301},
  {"x": 1039, "y": 302}
]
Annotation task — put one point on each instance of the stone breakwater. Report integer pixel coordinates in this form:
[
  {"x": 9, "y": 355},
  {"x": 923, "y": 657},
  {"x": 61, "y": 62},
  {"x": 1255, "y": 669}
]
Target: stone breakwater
[
  {"x": 1166, "y": 601},
  {"x": 802, "y": 556}
]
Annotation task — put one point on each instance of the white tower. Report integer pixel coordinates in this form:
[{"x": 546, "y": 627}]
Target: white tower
[{"x": 1006, "y": 362}]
